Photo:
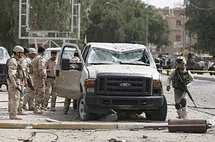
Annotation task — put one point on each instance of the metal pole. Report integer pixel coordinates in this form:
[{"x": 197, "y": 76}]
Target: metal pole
[
  {"x": 147, "y": 23},
  {"x": 147, "y": 26},
  {"x": 184, "y": 33}
]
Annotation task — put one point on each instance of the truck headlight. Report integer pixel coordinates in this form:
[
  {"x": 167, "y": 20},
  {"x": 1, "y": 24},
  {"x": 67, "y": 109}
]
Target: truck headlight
[
  {"x": 90, "y": 86},
  {"x": 157, "y": 88},
  {"x": 157, "y": 84}
]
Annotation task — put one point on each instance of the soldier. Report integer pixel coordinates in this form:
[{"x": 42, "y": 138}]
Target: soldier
[
  {"x": 29, "y": 96},
  {"x": 179, "y": 92},
  {"x": 24, "y": 62},
  {"x": 50, "y": 90},
  {"x": 67, "y": 101},
  {"x": 15, "y": 75},
  {"x": 39, "y": 78}
]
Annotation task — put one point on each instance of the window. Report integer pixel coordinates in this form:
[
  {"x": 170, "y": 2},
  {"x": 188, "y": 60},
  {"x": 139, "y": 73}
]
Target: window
[
  {"x": 178, "y": 22},
  {"x": 178, "y": 38}
]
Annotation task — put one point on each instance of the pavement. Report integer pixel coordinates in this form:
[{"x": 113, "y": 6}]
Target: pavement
[{"x": 56, "y": 120}]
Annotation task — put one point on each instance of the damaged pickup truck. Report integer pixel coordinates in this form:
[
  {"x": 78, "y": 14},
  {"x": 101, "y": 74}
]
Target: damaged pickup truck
[{"x": 111, "y": 77}]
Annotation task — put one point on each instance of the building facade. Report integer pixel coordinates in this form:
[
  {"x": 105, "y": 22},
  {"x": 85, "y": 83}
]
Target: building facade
[{"x": 179, "y": 39}]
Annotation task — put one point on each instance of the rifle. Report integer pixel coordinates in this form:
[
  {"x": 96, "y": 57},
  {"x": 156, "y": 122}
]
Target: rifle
[
  {"x": 30, "y": 83},
  {"x": 20, "y": 90},
  {"x": 184, "y": 86}
]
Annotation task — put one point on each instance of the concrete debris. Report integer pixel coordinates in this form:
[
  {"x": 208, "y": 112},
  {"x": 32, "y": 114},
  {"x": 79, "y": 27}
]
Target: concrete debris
[
  {"x": 33, "y": 134},
  {"x": 115, "y": 140}
]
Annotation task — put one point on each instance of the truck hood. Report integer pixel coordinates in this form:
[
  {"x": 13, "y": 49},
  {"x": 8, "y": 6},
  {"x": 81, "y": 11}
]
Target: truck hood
[{"x": 146, "y": 71}]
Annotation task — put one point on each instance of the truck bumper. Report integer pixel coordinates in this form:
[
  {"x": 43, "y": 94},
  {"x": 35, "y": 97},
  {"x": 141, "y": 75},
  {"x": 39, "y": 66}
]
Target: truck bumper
[{"x": 124, "y": 102}]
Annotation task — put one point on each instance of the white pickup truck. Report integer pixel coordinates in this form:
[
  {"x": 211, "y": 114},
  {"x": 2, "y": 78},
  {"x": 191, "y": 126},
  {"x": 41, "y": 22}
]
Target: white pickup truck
[{"x": 111, "y": 77}]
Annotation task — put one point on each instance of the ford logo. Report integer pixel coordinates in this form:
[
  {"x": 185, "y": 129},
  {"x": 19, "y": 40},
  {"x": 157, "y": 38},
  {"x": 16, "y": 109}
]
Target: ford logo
[{"x": 124, "y": 84}]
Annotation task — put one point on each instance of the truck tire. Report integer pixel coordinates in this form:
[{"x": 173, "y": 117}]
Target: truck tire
[
  {"x": 83, "y": 111},
  {"x": 159, "y": 114}
]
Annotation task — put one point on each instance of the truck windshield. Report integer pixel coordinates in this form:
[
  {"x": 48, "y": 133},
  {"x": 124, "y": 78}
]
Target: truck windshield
[{"x": 105, "y": 56}]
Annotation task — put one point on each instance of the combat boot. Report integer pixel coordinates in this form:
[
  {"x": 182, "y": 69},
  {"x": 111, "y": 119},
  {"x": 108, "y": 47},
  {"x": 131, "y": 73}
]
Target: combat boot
[
  {"x": 24, "y": 107},
  {"x": 53, "y": 109},
  {"x": 20, "y": 112},
  {"x": 14, "y": 117},
  {"x": 38, "y": 111}
]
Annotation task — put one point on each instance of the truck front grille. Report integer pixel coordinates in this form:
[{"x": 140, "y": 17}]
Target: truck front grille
[{"x": 123, "y": 84}]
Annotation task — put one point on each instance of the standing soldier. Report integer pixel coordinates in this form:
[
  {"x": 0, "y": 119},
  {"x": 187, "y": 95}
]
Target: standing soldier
[
  {"x": 50, "y": 90},
  {"x": 15, "y": 74},
  {"x": 39, "y": 78},
  {"x": 179, "y": 91},
  {"x": 29, "y": 96},
  {"x": 67, "y": 101},
  {"x": 24, "y": 62}
]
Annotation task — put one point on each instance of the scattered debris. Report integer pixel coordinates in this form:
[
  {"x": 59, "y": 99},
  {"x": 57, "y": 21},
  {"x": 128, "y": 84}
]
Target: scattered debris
[
  {"x": 115, "y": 140},
  {"x": 51, "y": 120},
  {"x": 145, "y": 137},
  {"x": 33, "y": 134}
]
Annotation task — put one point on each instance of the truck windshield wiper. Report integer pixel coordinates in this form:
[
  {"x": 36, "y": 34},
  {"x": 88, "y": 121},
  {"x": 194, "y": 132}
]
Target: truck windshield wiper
[
  {"x": 102, "y": 63},
  {"x": 135, "y": 63}
]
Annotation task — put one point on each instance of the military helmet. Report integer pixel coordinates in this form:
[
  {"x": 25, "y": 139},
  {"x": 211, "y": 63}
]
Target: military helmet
[
  {"x": 32, "y": 51},
  {"x": 181, "y": 60},
  {"x": 18, "y": 49}
]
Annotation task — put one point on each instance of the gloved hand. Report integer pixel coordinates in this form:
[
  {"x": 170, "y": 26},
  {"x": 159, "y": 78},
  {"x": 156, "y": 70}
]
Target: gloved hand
[{"x": 167, "y": 88}]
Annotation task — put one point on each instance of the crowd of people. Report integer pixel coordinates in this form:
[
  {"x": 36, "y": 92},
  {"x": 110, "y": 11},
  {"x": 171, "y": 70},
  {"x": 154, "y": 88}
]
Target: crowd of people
[{"x": 31, "y": 81}]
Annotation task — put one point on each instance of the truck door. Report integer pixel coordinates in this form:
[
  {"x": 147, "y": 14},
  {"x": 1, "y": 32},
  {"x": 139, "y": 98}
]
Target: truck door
[{"x": 68, "y": 72}]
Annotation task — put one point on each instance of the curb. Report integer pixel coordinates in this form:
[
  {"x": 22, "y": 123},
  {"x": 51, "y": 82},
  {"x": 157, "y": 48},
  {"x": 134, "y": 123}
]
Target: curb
[{"x": 77, "y": 125}]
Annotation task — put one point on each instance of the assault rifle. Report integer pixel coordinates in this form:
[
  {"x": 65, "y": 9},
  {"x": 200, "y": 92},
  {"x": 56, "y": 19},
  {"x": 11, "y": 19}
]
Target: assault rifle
[
  {"x": 178, "y": 75},
  {"x": 20, "y": 90},
  {"x": 30, "y": 83}
]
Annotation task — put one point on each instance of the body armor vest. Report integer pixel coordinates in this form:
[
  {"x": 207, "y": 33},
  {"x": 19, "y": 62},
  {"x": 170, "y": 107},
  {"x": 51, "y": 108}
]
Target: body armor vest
[{"x": 176, "y": 83}]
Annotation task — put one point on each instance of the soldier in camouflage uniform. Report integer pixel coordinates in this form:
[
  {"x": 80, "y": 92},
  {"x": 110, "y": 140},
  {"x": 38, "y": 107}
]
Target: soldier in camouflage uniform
[
  {"x": 15, "y": 75},
  {"x": 39, "y": 79},
  {"x": 67, "y": 101},
  {"x": 29, "y": 96},
  {"x": 179, "y": 92},
  {"x": 50, "y": 90},
  {"x": 24, "y": 62}
]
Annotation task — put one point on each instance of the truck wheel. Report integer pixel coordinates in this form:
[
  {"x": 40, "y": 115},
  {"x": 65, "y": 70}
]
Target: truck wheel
[
  {"x": 83, "y": 111},
  {"x": 159, "y": 114}
]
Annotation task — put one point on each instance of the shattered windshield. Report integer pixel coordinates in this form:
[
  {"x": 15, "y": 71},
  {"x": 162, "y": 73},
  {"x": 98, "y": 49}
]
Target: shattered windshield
[{"x": 105, "y": 56}]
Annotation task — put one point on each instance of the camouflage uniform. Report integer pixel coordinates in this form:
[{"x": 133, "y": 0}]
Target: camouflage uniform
[
  {"x": 15, "y": 74},
  {"x": 67, "y": 101},
  {"x": 29, "y": 94},
  {"x": 24, "y": 62},
  {"x": 39, "y": 79},
  {"x": 50, "y": 90},
  {"x": 179, "y": 93}
]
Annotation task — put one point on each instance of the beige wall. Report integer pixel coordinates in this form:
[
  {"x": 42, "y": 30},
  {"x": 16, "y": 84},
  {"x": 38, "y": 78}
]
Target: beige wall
[{"x": 176, "y": 29}]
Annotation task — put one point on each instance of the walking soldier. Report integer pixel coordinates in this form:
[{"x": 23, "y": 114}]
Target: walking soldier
[{"x": 178, "y": 76}]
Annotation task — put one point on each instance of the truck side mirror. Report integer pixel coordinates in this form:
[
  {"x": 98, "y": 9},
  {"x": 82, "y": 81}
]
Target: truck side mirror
[{"x": 65, "y": 64}]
